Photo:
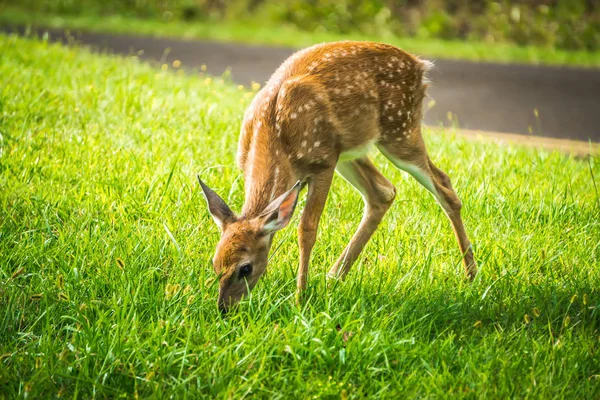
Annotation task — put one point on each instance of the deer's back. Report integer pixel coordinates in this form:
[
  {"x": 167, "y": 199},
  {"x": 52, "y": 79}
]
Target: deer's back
[{"x": 336, "y": 99}]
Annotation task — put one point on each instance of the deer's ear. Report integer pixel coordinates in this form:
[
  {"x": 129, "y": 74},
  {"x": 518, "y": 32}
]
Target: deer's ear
[
  {"x": 219, "y": 210},
  {"x": 279, "y": 213}
]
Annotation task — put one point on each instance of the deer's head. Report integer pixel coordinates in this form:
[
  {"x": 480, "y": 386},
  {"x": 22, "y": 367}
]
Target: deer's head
[{"x": 242, "y": 252}]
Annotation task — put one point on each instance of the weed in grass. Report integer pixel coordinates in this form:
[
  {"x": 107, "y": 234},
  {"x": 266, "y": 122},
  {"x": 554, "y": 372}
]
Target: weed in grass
[{"x": 106, "y": 287}]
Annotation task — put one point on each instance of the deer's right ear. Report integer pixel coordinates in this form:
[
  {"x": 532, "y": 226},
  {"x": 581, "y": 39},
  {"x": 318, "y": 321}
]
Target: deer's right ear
[
  {"x": 219, "y": 210},
  {"x": 279, "y": 213}
]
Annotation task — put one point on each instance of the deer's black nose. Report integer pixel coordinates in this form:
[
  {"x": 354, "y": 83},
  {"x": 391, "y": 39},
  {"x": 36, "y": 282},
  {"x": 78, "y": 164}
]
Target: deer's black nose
[{"x": 222, "y": 307}]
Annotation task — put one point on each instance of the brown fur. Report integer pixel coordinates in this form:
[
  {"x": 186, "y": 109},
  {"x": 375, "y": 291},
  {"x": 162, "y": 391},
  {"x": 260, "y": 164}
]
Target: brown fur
[{"x": 321, "y": 108}]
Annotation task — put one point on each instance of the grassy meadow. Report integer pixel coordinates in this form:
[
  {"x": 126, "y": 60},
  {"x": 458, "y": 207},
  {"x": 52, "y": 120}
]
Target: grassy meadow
[{"x": 107, "y": 289}]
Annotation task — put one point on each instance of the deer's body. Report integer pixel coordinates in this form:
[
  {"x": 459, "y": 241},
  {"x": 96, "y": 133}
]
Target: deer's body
[
  {"x": 329, "y": 101},
  {"x": 322, "y": 110}
]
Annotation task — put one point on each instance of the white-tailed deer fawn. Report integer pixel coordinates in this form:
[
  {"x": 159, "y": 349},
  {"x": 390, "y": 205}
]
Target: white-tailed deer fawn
[{"x": 320, "y": 112}]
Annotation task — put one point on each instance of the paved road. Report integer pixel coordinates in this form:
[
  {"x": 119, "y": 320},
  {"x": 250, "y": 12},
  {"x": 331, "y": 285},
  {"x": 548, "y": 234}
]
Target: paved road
[{"x": 485, "y": 96}]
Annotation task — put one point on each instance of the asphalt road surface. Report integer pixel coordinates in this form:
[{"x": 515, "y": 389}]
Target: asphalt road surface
[{"x": 482, "y": 96}]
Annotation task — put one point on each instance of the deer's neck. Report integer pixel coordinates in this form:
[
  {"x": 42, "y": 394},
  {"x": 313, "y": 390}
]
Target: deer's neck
[{"x": 267, "y": 174}]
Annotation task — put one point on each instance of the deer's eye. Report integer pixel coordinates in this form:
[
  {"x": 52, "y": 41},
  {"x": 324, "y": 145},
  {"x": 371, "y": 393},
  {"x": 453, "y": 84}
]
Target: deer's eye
[{"x": 245, "y": 270}]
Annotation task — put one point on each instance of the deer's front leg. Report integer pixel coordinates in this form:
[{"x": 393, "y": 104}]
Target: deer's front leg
[{"x": 318, "y": 188}]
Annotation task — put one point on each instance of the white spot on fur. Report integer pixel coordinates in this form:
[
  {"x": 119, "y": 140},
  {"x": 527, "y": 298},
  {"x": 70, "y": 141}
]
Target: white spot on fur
[{"x": 274, "y": 180}]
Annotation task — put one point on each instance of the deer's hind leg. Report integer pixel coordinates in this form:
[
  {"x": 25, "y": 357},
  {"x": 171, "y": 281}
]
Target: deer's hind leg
[
  {"x": 409, "y": 154},
  {"x": 378, "y": 195}
]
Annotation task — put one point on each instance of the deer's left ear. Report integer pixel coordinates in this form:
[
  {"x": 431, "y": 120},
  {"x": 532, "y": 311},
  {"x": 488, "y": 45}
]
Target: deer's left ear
[
  {"x": 219, "y": 210},
  {"x": 279, "y": 213}
]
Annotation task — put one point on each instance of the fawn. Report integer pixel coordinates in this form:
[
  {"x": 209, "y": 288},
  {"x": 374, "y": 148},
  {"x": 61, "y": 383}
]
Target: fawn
[{"x": 321, "y": 111}]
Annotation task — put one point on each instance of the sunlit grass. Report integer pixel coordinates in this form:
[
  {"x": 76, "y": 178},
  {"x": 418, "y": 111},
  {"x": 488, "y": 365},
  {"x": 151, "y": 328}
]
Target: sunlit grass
[
  {"x": 258, "y": 31},
  {"x": 106, "y": 287}
]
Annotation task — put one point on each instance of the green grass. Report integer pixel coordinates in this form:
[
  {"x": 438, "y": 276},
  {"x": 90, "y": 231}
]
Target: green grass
[
  {"x": 271, "y": 33},
  {"x": 106, "y": 287}
]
